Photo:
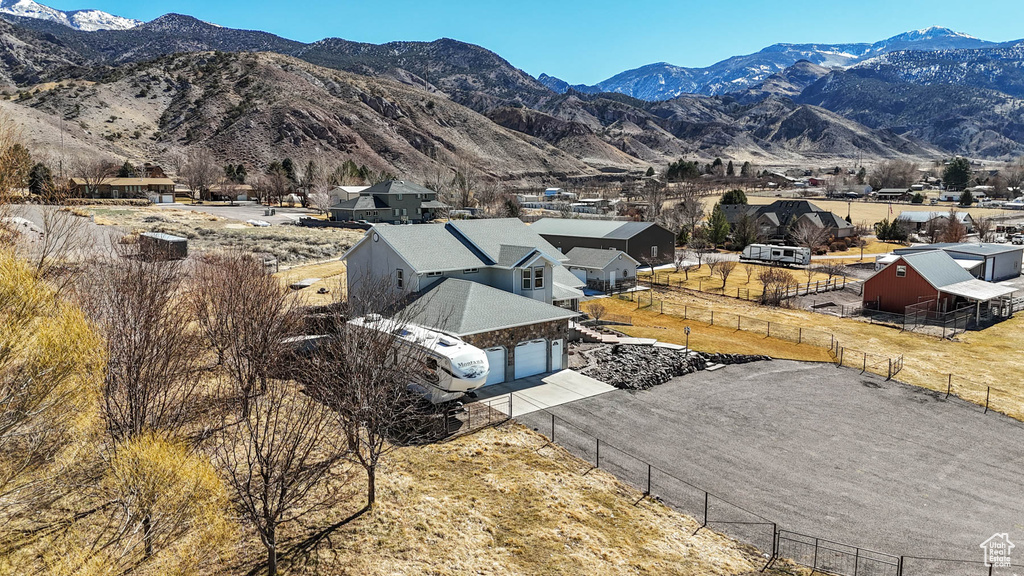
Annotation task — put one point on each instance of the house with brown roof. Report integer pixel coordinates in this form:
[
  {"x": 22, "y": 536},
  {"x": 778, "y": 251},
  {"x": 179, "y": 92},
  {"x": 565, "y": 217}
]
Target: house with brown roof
[{"x": 122, "y": 187}]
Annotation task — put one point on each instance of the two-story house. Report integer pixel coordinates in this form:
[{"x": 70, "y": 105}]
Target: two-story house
[
  {"x": 493, "y": 283},
  {"x": 392, "y": 202}
]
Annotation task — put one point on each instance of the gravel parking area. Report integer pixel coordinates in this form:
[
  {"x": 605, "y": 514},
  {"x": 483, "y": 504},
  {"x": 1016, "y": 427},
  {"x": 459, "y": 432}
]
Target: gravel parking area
[{"x": 826, "y": 451}]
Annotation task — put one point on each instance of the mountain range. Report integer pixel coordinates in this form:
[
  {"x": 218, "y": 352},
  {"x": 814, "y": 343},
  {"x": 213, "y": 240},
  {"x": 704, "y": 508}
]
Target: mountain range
[
  {"x": 87, "y": 20},
  {"x": 156, "y": 88}
]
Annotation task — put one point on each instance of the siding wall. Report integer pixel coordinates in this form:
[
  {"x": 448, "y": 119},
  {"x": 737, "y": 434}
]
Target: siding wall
[
  {"x": 894, "y": 294},
  {"x": 638, "y": 246}
]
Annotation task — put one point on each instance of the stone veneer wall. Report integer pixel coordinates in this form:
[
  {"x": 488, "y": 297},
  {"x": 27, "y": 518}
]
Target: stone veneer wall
[{"x": 508, "y": 338}]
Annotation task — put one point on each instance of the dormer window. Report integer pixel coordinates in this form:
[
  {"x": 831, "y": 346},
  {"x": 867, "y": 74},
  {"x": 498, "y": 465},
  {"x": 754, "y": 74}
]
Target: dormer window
[
  {"x": 538, "y": 278},
  {"x": 527, "y": 279}
]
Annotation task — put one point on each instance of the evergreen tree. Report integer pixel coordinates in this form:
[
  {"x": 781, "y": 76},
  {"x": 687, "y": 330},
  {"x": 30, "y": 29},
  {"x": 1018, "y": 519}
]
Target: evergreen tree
[
  {"x": 862, "y": 175},
  {"x": 289, "y": 169},
  {"x": 745, "y": 170},
  {"x": 240, "y": 173},
  {"x": 718, "y": 226},
  {"x": 126, "y": 170},
  {"x": 746, "y": 232},
  {"x": 734, "y": 197},
  {"x": 957, "y": 173},
  {"x": 917, "y": 199},
  {"x": 966, "y": 199},
  {"x": 729, "y": 170},
  {"x": 229, "y": 172},
  {"x": 39, "y": 179},
  {"x": 650, "y": 171}
]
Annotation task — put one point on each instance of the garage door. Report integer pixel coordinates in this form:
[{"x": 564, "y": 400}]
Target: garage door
[
  {"x": 580, "y": 274},
  {"x": 496, "y": 365},
  {"x": 531, "y": 358}
]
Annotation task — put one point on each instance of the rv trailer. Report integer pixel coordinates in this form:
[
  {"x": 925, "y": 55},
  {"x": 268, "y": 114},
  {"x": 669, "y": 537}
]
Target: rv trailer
[
  {"x": 778, "y": 254},
  {"x": 451, "y": 367}
]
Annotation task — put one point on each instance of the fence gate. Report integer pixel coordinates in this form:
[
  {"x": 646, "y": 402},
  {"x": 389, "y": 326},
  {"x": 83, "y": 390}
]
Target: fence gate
[{"x": 835, "y": 558}]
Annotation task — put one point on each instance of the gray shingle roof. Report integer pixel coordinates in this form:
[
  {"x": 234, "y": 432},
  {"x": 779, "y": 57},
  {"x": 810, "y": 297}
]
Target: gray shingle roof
[
  {"x": 489, "y": 236},
  {"x": 963, "y": 248},
  {"x": 561, "y": 275},
  {"x": 560, "y": 292},
  {"x": 462, "y": 308},
  {"x": 594, "y": 258},
  {"x": 397, "y": 187},
  {"x": 921, "y": 216},
  {"x": 428, "y": 247},
  {"x": 582, "y": 228},
  {"x": 938, "y": 268},
  {"x": 361, "y": 203}
]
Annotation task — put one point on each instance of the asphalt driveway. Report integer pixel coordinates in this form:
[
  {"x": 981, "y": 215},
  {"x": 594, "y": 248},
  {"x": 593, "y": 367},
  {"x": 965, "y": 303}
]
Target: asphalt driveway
[{"x": 823, "y": 451}]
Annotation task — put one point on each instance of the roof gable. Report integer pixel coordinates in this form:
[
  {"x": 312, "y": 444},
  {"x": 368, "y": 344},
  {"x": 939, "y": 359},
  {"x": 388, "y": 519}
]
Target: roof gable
[
  {"x": 937, "y": 267},
  {"x": 490, "y": 236},
  {"x": 595, "y": 258}
]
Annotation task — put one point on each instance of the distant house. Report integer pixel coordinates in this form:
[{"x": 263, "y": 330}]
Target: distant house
[
  {"x": 393, "y": 202},
  {"x": 852, "y": 191},
  {"x": 893, "y": 195},
  {"x": 645, "y": 242},
  {"x": 240, "y": 192},
  {"x": 122, "y": 188},
  {"x": 339, "y": 194},
  {"x": 778, "y": 219},
  {"x": 917, "y": 221},
  {"x": 494, "y": 283},
  {"x": 602, "y": 269},
  {"x": 150, "y": 170},
  {"x": 933, "y": 275}
]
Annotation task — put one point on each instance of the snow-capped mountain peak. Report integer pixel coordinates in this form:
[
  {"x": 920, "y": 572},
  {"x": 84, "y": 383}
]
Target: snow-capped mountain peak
[{"x": 86, "y": 20}]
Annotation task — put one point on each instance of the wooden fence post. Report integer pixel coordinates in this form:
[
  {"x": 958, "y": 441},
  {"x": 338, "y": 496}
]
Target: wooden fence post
[{"x": 949, "y": 386}]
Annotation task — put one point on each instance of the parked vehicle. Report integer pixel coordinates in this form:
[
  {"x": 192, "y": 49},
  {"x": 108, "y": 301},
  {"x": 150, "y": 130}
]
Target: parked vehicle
[
  {"x": 451, "y": 367},
  {"x": 1017, "y": 239},
  {"x": 778, "y": 254}
]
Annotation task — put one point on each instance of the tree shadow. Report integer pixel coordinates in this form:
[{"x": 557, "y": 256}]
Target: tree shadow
[{"x": 299, "y": 552}]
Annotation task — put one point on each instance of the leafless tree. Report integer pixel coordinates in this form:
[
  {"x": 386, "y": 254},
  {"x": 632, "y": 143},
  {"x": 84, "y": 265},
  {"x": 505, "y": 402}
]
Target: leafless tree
[
  {"x": 596, "y": 311},
  {"x": 713, "y": 260},
  {"x": 320, "y": 190},
  {"x": 832, "y": 269},
  {"x": 654, "y": 193},
  {"x": 199, "y": 173},
  {"x": 700, "y": 246},
  {"x": 15, "y": 161},
  {"x": 227, "y": 187},
  {"x": 893, "y": 174},
  {"x": 725, "y": 269},
  {"x": 94, "y": 173},
  {"x": 152, "y": 357},
  {"x": 277, "y": 455},
  {"x": 63, "y": 237},
  {"x": 807, "y": 234},
  {"x": 681, "y": 260},
  {"x": 933, "y": 228},
  {"x": 690, "y": 208},
  {"x": 953, "y": 230},
  {"x": 775, "y": 283},
  {"x": 985, "y": 227},
  {"x": 749, "y": 270},
  {"x": 363, "y": 373}
]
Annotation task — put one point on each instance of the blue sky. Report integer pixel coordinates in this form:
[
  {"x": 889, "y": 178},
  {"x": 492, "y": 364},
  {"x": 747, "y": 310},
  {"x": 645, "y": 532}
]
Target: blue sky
[{"x": 588, "y": 41}]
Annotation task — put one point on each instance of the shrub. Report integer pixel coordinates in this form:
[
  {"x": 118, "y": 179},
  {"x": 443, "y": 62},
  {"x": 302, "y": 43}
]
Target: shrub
[
  {"x": 107, "y": 202},
  {"x": 837, "y": 246}
]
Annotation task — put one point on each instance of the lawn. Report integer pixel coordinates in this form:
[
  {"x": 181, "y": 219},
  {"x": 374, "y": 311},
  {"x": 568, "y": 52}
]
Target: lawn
[
  {"x": 737, "y": 283},
  {"x": 977, "y": 359},
  {"x": 330, "y": 273}
]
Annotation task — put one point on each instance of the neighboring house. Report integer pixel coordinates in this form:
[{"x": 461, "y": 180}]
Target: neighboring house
[
  {"x": 494, "y": 283},
  {"x": 602, "y": 269},
  {"x": 933, "y": 275},
  {"x": 989, "y": 262},
  {"x": 917, "y": 221},
  {"x": 239, "y": 192},
  {"x": 645, "y": 242},
  {"x": 122, "y": 188},
  {"x": 851, "y": 191},
  {"x": 150, "y": 170},
  {"x": 393, "y": 202},
  {"x": 340, "y": 194},
  {"x": 778, "y": 219},
  {"x": 893, "y": 195},
  {"x": 978, "y": 193}
]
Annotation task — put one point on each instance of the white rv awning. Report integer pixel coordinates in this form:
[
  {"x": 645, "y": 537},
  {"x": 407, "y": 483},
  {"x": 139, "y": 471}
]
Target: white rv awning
[{"x": 978, "y": 290}]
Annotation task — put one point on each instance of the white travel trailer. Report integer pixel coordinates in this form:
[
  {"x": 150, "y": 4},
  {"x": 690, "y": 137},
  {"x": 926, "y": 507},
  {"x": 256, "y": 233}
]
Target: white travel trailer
[
  {"x": 451, "y": 367},
  {"x": 777, "y": 254}
]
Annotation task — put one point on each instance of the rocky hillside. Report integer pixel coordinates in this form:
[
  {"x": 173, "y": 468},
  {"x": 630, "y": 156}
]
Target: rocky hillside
[{"x": 258, "y": 107}]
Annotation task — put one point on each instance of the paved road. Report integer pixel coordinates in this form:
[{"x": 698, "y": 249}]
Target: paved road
[{"x": 826, "y": 452}]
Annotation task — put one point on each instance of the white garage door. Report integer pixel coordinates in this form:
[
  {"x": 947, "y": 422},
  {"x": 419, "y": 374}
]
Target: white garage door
[
  {"x": 496, "y": 366},
  {"x": 531, "y": 358},
  {"x": 580, "y": 273}
]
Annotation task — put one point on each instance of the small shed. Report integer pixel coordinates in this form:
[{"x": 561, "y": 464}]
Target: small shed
[
  {"x": 160, "y": 246},
  {"x": 601, "y": 268}
]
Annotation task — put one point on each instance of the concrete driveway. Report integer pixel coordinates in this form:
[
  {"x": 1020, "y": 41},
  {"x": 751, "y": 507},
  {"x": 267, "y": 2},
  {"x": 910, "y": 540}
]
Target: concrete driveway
[
  {"x": 824, "y": 451},
  {"x": 545, "y": 391}
]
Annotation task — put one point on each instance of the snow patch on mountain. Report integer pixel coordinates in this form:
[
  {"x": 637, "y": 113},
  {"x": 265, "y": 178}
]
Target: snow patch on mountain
[{"x": 86, "y": 20}]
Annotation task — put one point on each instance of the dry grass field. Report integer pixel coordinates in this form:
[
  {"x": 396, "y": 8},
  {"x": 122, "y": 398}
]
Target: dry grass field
[
  {"x": 702, "y": 279},
  {"x": 977, "y": 359},
  {"x": 504, "y": 501},
  {"x": 330, "y": 273}
]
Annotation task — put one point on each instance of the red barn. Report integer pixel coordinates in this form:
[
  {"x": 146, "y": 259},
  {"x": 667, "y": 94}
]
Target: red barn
[{"x": 932, "y": 275}]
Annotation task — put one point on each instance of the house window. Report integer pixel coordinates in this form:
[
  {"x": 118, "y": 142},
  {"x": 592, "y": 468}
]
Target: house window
[
  {"x": 397, "y": 212},
  {"x": 399, "y": 196},
  {"x": 901, "y": 271},
  {"x": 538, "y": 278},
  {"x": 470, "y": 270},
  {"x": 433, "y": 273},
  {"x": 654, "y": 251},
  {"x": 400, "y": 278},
  {"x": 527, "y": 279},
  {"x": 405, "y": 212}
]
